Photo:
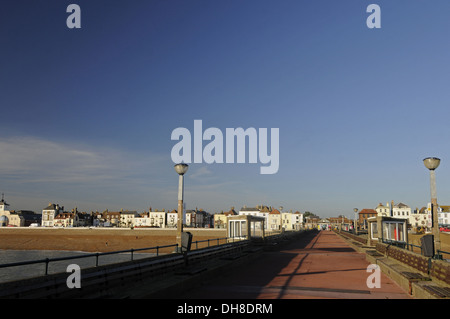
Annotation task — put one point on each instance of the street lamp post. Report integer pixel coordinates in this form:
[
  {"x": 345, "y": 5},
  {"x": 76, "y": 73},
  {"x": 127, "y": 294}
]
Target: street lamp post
[
  {"x": 181, "y": 169},
  {"x": 432, "y": 163},
  {"x": 356, "y": 227}
]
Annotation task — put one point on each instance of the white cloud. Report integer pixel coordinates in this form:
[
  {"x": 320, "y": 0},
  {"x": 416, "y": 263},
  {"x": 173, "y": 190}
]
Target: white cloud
[
  {"x": 34, "y": 171},
  {"x": 201, "y": 173},
  {"x": 34, "y": 160}
]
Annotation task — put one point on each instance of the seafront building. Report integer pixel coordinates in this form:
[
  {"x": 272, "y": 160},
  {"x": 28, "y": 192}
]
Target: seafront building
[
  {"x": 220, "y": 220},
  {"x": 364, "y": 215},
  {"x": 7, "y": 217},
  {"x": 383, "y": 210},
  {"x": 151, "y": 218},
  {"x": 292, "y": 221},
  {"x": 443, "y": 215},
  {"x": 20, "y": 218},
  {"x": 274, "y": 220},
  {"x": 127, "y": 218},
  {"x": 54, "y": 215},
  {"x": 49, "y": 213},
  {"x": 258, "y": 211},
  {"x": 401, "y": 210},
  {"x": 172, "y": 218}
]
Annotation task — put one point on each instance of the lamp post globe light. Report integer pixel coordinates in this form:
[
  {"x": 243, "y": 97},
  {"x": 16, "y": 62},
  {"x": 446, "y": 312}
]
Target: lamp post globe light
[
  {"x": 432, "y": 163},
  {"x": 181, "y": 169}
]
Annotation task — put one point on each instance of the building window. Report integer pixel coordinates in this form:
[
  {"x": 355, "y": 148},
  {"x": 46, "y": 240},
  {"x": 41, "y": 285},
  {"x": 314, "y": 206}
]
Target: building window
[{"x": 393, "y": 231}]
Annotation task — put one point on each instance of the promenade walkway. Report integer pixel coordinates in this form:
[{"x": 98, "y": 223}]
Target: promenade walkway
[{"x": 319, "y": 265}]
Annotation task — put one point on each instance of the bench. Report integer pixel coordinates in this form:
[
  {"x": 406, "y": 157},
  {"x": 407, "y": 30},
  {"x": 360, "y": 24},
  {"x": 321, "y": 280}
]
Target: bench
[{"x": 441, "y": 292}]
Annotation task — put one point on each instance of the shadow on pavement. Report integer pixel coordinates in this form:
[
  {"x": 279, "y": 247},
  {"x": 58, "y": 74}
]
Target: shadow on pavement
[{"x": 255, "y": 276}]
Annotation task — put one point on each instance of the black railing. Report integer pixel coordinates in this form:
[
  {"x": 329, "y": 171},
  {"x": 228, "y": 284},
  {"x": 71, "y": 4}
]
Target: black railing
[
  {"x": 47, "y": 261},
  {"x": 415, "y": 248}
]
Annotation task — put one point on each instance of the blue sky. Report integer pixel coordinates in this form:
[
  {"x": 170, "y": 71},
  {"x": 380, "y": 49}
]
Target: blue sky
[{"x": 87, "y": 114}]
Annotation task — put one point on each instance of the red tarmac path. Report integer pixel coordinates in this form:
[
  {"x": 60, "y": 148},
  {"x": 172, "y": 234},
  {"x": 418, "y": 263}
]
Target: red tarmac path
[{"x": 319, "y": 265}]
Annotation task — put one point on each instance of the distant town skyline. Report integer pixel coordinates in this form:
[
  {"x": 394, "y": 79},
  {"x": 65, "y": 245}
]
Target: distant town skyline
[{"x": 87, "y": 113}]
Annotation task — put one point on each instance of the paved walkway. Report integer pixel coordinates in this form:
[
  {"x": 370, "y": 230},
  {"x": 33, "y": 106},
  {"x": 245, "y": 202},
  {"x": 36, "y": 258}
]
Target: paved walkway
[{"x": 320, "y": 265}]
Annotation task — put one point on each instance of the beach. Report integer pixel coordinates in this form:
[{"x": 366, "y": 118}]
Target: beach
[{"x": 97, "y": 239}]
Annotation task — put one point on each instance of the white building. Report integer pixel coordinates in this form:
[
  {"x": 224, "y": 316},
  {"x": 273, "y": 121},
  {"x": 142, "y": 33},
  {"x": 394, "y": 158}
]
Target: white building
[
  {"x": 127, "y": 218},
  {"x": 49, "y": 213},
  {"x": 383, "y": 210},
  {"x": 195, "y": 218},
  {"x": 192, "y": 218},
  {"x": 143, "y": 220},
  {"x": 444, "y": 216},
  {"x": 3, "y": 206},
  {"x": 420, "y": 219},
  {"x": 66, "y": 220},
  {"x": 423, "y": 218},
  {"x": 172, "y": 219},
  {"x": 292, "y": 221},
  {"x": 274, "y": 220},
  {"x": 158, "y": 219},
  {"x": 401, "y": 210},
  {"x": 258, "y": 211},
  {"x": 8, "y": 218}
]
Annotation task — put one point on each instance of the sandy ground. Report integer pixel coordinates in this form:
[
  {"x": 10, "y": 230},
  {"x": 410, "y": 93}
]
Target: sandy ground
[
  {"x": 97, "y": 239},
  {"x": 112, "y": 239}
]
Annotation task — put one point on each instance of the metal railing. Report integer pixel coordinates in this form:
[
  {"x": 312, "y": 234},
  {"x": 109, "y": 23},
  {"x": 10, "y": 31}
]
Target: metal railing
[
  {"x": 416, "y": 248},
  {"x": 400, "y": 244},
  {"x": 47, "y": 261},
  {"x": 199, "y": 244}
]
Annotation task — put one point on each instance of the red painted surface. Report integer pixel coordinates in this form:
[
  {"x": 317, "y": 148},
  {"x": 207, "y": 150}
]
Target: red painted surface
[{"x": 320, "y": 265}]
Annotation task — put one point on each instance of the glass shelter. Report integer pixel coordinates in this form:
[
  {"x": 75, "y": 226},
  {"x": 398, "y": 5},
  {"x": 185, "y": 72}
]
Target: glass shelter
[
  {"x": 388, "y": 230},
  {"x": 245, "y": 227}
]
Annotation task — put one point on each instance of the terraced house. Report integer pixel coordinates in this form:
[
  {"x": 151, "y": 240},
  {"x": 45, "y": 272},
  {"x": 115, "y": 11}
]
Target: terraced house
[
  {"x": 158, "y": 218},
  {"x": 220, "y": 220},
  {"x": 292, "y": 221},
  {"x": 66, "y": 220},
  {"x": 49, "y": 213},
  {"x": 274, "y": 220},
  {"x": 258, "y": 211},
  {"x": 365, "y": 214}
]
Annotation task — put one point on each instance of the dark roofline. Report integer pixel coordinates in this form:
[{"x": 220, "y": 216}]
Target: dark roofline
[{"x": 248, "y": 209}]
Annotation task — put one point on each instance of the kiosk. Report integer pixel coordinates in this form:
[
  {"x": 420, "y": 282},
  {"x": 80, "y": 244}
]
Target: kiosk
[
  {"x": 387, "y": 230},
  {"x": 245, "y": 227}
]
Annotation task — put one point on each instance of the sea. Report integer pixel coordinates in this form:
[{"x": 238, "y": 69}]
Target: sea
[{"x": 36, "y": 270}]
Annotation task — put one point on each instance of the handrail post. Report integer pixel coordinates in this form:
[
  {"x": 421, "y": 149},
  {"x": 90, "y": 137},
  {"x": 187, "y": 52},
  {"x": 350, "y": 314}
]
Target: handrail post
[
  {"x": 157, "y": 251},
  {"x": 132, "y": 250},
  {"x": 47, "y": 261},
  {"x": 96, "y": 259}
]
